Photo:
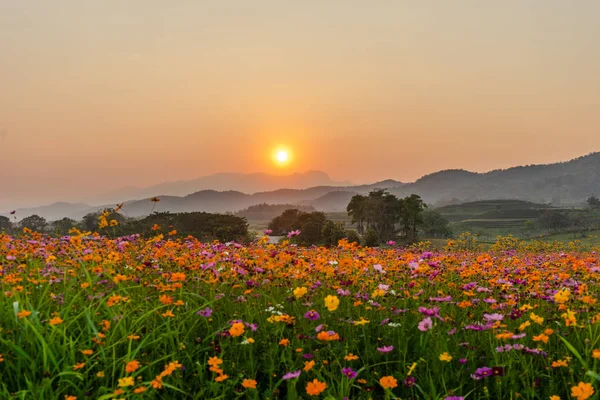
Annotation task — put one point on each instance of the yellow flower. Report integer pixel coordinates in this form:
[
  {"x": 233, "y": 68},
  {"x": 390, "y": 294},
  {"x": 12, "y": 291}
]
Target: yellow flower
[
  {"x": 536, "y": 318},
  {"x": 332, "y": 302},
  {"x": 127, "y": 381},
  {"x": 562, "y": 296},
  {"x": 445, "y": 357},
  {"x": 300, "y": 291},
  {"x": 524, "y": 325},
  {"x": 582, "y": 391},
  {"x": 411, "y": 369}
]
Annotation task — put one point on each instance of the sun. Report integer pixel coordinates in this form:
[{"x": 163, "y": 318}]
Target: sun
[{"x": 281, "y": 156}]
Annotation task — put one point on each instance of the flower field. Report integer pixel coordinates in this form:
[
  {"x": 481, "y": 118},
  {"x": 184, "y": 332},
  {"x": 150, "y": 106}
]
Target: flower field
[{"x": 87, "y": 317}]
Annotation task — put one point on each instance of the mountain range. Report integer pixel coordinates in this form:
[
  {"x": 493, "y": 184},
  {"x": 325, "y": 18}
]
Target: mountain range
[{"x": 564, "y": 183}]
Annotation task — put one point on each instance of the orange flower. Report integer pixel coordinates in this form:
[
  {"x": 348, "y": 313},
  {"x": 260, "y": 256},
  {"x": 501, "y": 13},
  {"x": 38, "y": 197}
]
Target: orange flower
[
  {"x": 596, "y": 354},
  {"x": 56, "y": 321},
  {"x": 67, "y": 397},
  {"x": 214, "y": 361},
  {"x": 249, "y": 383},
  {"x": 132, "y": 366},
  {"x": 140, "y": 389},
  {"x": 87, "y": 352},
  {"x": 351, "y": 357},
  {"x": 221, "y": 378},
  {"x": 284, "y": 342},
  {"x": 168, "y": 314},
  {"x": 78, "y": 366},
  {"x": 541, "y": 338},
  {"x": 308, "y": 365},
  {"x": 388, "y": 382},
  {"x": 23, "y": 314},
  {"x": 315, "y": 387},
  {"x": 237, "y": 329},
  {"x": 582, "y": 391}
]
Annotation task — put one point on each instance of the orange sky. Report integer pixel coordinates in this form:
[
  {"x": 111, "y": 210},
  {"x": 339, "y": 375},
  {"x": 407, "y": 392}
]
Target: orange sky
[{"x": 99, "y": 95}]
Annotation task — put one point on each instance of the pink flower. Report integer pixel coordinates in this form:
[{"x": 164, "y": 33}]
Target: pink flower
[{"x": 425, "y": 325}]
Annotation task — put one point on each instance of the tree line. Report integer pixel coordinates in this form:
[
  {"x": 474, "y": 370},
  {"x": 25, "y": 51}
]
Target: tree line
[{"x": 202, "y": 225}]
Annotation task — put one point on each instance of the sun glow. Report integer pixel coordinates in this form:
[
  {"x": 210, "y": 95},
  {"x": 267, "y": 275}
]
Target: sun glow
[{"x": 281, "y": 156}]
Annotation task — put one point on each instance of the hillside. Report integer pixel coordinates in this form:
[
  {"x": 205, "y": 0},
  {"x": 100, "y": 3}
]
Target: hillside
[{"x": 564, "y": 183}]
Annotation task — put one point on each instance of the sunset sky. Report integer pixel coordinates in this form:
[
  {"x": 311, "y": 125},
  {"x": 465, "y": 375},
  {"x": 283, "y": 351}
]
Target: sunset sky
[{"x": 95, "y": 95}]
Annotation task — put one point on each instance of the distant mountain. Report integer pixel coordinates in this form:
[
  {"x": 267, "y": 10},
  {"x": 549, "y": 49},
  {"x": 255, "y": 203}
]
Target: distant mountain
[
  {"x": 566, "y": 183},
  {"x": 55, "y": 211},
  {"x": 563, "y": 183},
  {"x": 245, "y": 183}
]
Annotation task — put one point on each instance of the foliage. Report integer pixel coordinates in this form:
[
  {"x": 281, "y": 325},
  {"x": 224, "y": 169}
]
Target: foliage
[
  {"x": 34, "y": 223},
  {"x": 371, "y": 238},
  {"x": 309, "y": 224},
  {"x": 593, "y": 203},
  {"x": 332, "y": 232},
  {"x": 5, "y": 225},
  {"x": 266, "y": 211},
  {"x": 387, "y": 215},
  {"x": 435, "y": 225}
]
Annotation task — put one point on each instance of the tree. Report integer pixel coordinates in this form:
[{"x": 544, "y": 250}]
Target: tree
[
  {"x": 357, "y": 209},
  {"x": 554, "y": 220},
  {"x": 35, "y": 223},
  {"x": 529, "y": 227},
  {"x": 412, "y": 216},
  {"x": 352, "y": 236},
  {"x": 310, "y": 225},
  {"x": 5, "y": 224},
  {"x": 593, "y": 203},
  {"x": 371, "y": 239},
  {"x": 63, "y": 226},
  {"x": 285, "y": 223},
  {"x": 435, "y": 225},
  {"x": 333, "y": 232}
]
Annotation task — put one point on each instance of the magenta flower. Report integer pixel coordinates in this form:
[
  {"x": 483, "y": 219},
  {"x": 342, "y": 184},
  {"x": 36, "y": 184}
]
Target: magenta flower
[
  {"x": 349, "y": 372},
  {"x": 481, "y": 373},
  {"x": 312, "y": 315},
  {"x": 207, "y": 312},
  {"x": 385, "y": 349},
  {"x": 425, "y": 325}
]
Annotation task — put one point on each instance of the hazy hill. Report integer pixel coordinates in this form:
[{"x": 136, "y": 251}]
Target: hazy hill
[
  {"x": 565, "y": 183},
  {"x": 246, "y": 183}
]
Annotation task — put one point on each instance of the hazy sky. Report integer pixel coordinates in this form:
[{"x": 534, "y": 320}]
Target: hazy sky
[{"x": 101, "y": 94}]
